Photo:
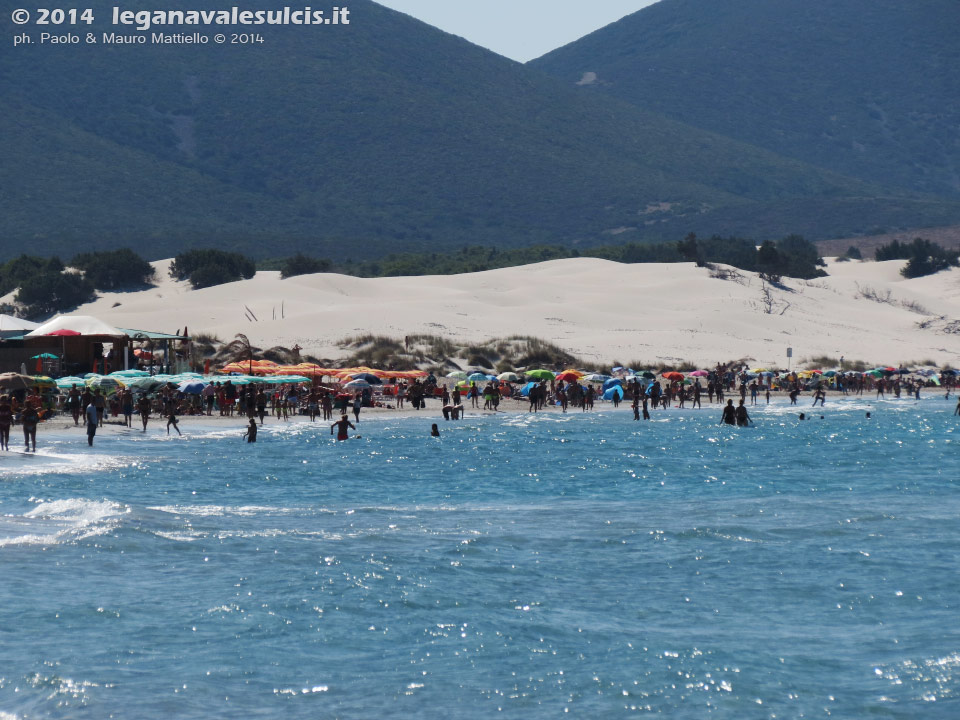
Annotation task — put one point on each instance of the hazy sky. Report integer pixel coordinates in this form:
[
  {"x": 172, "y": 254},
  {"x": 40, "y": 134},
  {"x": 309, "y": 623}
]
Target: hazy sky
[{"x": 519, "y": 29}]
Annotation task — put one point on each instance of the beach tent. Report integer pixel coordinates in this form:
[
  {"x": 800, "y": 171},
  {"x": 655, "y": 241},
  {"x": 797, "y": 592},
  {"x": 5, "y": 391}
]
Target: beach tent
[
  {"x": 613, "y": 382},
  {"x": 525, "y": 390},
  {"x": 611, "y": 391},
  {"x": 11, "y": 326},
  {"x": 80, "y": 324}
]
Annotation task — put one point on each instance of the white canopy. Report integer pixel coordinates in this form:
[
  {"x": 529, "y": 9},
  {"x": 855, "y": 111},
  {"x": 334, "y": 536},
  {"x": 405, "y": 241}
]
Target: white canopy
[
  {"x": 83, "y": 324},
  {"x": 9, "y": 322}
]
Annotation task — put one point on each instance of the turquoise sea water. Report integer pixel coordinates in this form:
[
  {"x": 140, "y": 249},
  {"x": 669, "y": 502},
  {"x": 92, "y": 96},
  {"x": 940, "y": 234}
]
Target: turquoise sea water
[{"x": 519, "y": 566}]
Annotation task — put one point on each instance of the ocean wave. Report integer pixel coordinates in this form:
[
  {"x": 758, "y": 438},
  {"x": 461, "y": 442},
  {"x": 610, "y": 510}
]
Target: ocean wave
[{"x": 54, "y": 522}]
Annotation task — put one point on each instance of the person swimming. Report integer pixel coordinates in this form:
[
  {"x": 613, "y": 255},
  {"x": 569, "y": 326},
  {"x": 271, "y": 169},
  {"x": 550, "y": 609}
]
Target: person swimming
[{"x": 434, "y": 431}]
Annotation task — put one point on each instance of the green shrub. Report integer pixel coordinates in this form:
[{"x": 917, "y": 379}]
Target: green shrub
[{"x": 114, "y": 269}]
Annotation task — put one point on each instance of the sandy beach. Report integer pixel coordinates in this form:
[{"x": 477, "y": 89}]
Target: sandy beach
[{"x": 601, "y": 311}]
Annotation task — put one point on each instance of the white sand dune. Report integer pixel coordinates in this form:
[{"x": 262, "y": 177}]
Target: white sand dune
[{"x": 597, "y": 309}]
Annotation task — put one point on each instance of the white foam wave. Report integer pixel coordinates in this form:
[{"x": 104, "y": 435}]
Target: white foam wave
[
  {"x": 238, "y": 510},
  {"x": 49, "y": 461},
  {"x": 59, "y": 521}
]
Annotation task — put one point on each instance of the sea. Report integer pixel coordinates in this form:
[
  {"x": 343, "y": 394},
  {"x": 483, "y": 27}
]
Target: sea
[{"x": 519, "y": 566}]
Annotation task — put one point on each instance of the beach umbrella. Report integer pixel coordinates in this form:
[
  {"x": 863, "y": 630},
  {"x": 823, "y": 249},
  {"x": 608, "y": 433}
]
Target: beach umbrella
[
  {"x": 676, "y": 376},
  {"x": 540, "y": 374},
  {"x": 129, "y": 373},
  {"x": 43, "y": 381},
  {"x": 699, "y": 373},
  {"x": 65, "y": 383},
  {"x": 574, "y": 371},
  {"x": 596, "y": 377},
  {"x": 106, "y": 384},
  {"x": 15, "y": 381},
  {"x": 44, "y": 356},
  {"x": 191, "y": 388},
  {"x": 568, "y": 376},
  {"x": 367, "y": 376},
  {"x": 144, "y": 384},
  {"x": 477, "y": 376},
  {"x": 507, "y": 377},
  {"x": 357, "y": 385}
]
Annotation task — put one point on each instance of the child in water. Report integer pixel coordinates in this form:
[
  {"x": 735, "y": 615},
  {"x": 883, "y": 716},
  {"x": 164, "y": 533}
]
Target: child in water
[{"x": 251, "y": 433}]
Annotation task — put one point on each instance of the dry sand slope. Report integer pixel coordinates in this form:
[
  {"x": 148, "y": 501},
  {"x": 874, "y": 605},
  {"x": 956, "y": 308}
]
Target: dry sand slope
[{"x": 600, "y": 310}]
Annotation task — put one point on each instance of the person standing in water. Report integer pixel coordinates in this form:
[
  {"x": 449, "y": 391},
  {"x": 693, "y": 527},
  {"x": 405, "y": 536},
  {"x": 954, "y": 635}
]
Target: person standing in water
[
  {"x": 434, "y": 431},
  {"x": 29, "y": 418},
  {"x": 143, "y": 407},
  {"x": 729, "y": 414},
  {"x": 820, "y": 395},
  {"x": 342, "y": 424},
  {"x": 743, "y": 419},
  {"x": 92, "y": 420},
  {"x": 172, "y": 419},
  {"x": 251, "y": 434},
  {"x": 6, "y": 420}
]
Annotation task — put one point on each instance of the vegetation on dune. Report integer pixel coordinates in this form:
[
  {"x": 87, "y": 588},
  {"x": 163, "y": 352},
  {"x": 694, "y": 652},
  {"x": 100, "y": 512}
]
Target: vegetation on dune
[
  {"x": 205, "y": 268},
  {"x": 923, "y": 257},
  {"x": 114, "y": 269},
  {"x": 793, "y": 256}
]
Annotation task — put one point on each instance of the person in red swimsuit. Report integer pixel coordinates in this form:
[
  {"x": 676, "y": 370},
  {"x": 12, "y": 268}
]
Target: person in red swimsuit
[{"x": 342, "y": 424}]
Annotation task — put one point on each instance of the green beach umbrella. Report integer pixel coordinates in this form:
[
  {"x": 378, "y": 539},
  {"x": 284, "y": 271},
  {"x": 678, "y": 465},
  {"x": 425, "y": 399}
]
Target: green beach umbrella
[{"x": 540, "y": 374}]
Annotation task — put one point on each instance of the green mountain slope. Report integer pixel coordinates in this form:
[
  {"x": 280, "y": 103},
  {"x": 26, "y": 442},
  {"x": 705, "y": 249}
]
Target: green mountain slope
[
  {"x": 383, "y": 135},
  {"x": 866, "y": 88}
]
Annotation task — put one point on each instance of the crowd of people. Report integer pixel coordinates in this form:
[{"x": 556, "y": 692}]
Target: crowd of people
[{"x": 257, "y": 401}]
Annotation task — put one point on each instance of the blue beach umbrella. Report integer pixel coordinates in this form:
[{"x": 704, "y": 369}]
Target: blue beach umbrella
[
  {"x": 191, "y": 387},
  {"x": 477, "y": 377}
]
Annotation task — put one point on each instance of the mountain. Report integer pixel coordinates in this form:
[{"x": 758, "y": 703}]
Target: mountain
[
  {"x": 866, "y": 88},
  {"x": 385, "y": 134}
]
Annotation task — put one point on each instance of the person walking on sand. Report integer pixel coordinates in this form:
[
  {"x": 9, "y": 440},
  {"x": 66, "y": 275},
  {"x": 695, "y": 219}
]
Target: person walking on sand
[
  {"x": 357, "y": 404},
  {"x": 342, "y": 424}
]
